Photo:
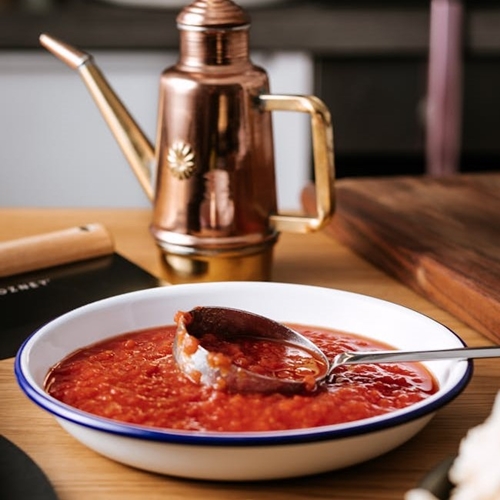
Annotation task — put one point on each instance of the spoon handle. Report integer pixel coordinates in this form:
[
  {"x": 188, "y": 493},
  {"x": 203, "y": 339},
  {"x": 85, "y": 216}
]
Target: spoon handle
[{"x": 351, "y": 358}]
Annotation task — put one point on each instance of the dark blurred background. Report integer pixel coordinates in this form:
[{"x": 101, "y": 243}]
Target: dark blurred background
[{"x": 370, "y": 65}]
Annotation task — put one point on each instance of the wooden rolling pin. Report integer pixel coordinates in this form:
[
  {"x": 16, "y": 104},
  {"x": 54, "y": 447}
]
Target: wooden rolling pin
[{"x": 54, "y": 249}]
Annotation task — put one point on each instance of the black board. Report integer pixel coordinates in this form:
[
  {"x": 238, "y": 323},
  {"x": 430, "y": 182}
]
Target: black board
[{"x": 30, "y": 300}]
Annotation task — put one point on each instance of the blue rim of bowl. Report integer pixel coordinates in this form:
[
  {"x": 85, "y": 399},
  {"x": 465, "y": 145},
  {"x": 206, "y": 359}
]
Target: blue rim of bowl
[{"x": 200, "y": 438}]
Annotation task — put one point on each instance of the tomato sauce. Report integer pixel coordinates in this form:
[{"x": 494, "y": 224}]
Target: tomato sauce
[
  {"x": 134, "y": 378},
  {"x": 270, "y": 358}
]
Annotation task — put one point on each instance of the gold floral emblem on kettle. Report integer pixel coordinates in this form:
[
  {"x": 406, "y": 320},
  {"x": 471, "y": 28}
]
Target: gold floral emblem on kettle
[{"x": 180, "y": 158}]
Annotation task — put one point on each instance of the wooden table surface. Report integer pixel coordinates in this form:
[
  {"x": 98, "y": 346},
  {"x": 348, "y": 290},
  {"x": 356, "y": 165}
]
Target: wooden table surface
[{"x": 79, "y": 473}]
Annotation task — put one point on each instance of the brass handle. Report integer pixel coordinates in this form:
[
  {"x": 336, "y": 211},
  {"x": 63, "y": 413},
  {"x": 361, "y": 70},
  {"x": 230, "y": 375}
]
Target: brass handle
[{"x": 324, "y": 167}]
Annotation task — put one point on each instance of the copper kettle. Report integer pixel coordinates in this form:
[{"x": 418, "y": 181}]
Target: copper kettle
[{"x": 215, "y": 213}]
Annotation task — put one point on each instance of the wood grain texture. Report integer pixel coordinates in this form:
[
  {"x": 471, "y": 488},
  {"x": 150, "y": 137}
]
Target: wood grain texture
[
  {"x": 78, "y": 473},
  {"x": 440, "y": 236},
  {"x": 54, "y": 248}
]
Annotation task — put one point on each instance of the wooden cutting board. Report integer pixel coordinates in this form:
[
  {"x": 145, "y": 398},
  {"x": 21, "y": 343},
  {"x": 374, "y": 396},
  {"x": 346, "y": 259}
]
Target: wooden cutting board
[{"x": 440, "y": 236}]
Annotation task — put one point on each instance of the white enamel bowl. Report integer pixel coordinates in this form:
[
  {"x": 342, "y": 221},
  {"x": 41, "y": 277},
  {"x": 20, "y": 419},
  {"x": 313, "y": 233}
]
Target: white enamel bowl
[{"x": 242, "y": 456}]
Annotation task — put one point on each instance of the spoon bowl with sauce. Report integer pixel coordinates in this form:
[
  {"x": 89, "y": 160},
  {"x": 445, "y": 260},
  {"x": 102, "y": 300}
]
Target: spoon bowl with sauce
[{"x": 236, "y": 350}]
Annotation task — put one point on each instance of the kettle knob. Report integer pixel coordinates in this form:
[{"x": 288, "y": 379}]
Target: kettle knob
[{"x": 212, "y": 14}]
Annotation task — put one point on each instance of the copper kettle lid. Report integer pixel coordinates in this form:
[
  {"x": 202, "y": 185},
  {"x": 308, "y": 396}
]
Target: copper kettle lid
[{"x": 215, "y": 14}]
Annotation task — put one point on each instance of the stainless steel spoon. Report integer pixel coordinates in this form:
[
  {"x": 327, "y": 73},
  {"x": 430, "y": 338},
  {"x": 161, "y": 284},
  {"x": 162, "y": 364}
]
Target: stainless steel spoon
[{"x": 201, "y": 366}]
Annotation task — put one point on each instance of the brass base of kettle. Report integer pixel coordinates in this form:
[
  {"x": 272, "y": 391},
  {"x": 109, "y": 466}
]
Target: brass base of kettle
[{"x": 249, "y": 264}]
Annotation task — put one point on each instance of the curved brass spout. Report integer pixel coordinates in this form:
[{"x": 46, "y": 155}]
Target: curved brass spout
[{"x": 134, "y": 144}]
